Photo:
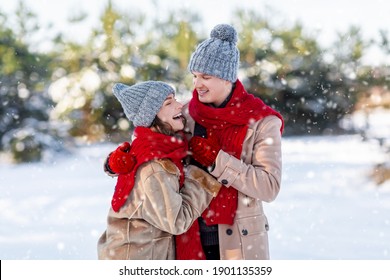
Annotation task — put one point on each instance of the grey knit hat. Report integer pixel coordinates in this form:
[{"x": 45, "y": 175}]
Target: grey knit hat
[
  {"x": 142, "y": 101},
  {"x": 217, "y": 56}
]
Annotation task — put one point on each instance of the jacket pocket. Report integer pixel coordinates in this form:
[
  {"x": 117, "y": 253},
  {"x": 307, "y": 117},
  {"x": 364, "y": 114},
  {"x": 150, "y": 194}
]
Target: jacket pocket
[{"x": 254, "y": 237}]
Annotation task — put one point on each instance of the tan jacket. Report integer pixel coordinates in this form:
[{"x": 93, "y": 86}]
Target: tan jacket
[
  {"x": 143, "y": 229},
  {"x": 257, "y": 177}
]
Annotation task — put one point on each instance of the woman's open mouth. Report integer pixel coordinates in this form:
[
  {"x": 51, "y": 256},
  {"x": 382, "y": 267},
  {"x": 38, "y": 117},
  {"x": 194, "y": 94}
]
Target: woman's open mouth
[{"x": 178, "y": 116}]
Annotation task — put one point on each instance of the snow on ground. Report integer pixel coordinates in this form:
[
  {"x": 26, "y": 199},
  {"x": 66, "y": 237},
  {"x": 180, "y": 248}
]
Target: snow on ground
[{"x": 328, "y": 207}]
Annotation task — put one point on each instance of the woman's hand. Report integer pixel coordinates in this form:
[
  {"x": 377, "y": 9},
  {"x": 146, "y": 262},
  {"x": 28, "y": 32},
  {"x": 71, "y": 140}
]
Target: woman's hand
[
  {"x": 204, "y": 150},
  {"x": 121, "y": 161}
]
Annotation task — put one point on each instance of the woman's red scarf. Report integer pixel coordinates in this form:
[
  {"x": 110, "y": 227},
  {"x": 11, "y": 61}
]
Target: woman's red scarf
[
  {"x": 149, "y": 145},
  {"x": 229, "y": 125}
]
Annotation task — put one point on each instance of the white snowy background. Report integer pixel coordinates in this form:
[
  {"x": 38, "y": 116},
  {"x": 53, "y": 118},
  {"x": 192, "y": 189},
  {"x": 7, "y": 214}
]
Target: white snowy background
[{"x": 329, "y": 207}]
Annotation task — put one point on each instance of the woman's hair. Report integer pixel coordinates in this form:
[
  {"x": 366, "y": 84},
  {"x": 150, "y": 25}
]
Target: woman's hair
[{"x": 163, "y": 127}]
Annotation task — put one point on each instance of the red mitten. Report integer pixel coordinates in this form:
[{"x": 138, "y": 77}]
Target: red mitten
[
  {"x": 204, "y": 150},
  {"x": 120, "y": 161}
]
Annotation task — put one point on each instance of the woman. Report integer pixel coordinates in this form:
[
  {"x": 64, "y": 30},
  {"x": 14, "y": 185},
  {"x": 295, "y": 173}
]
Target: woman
[
  {"x": 237, "y": 138},
  {"x": 147, "y": 208}
]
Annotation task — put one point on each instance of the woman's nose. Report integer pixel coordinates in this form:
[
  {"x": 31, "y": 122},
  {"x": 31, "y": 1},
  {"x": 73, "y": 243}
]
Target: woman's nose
[{"x": 179, "y": 105}]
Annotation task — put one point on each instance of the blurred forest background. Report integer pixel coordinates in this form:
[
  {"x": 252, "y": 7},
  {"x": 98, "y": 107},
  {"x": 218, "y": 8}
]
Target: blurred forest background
[{"x": 54, "y": 100}]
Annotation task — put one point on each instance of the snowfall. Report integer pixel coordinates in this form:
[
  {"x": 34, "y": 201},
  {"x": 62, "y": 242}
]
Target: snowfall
[{"x": 329, "y": 206}]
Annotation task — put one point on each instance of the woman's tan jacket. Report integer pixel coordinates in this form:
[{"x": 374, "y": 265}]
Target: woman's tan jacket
[
  {"x": 156, "y": 210},
  {"x": 256, "y": 176}
]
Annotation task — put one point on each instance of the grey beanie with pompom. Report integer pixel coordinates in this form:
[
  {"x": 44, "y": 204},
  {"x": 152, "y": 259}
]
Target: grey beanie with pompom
[{"x": 217, "y": 56}]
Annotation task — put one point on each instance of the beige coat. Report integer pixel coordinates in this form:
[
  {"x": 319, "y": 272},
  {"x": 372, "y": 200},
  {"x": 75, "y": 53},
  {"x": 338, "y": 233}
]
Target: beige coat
[
  {"x": 257, "y": 177},
  {"x": 143, "y": 229}
]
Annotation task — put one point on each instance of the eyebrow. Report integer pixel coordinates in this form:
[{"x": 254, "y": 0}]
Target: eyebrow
[
  {"x": 201, "y": 75},
  {"x": 168, "y": 98}
]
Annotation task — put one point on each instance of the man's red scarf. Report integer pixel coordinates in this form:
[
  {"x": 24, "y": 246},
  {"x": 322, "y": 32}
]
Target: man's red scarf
[
  {"x": 229, "y": 125},
  {"x": 149, "y": 145}
]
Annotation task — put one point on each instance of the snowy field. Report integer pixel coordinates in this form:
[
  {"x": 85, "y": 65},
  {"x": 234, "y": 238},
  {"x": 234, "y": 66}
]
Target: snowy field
[{"x": 328, "y": 208}]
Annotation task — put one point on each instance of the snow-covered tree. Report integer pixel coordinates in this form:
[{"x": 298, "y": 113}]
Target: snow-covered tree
[{"x": 24, "y": 105}]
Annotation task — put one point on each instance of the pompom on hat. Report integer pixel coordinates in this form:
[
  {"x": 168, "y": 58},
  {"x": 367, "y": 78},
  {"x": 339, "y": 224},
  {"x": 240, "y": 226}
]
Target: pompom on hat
[
  {"x": 142, "y": 101},
  {"x": 217, "y": 56}
]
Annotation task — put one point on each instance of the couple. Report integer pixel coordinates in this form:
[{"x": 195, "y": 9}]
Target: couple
[{"x": 211, "y": 208}]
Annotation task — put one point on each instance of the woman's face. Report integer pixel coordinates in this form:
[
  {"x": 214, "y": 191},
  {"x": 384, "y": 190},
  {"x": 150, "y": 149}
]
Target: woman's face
[
  {"x": 211, "y": 89},
  {"x": 170, "y": 113}
]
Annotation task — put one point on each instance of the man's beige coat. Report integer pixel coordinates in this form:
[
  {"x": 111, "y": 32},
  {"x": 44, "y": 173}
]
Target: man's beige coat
[{"x": 256, "y": 176}]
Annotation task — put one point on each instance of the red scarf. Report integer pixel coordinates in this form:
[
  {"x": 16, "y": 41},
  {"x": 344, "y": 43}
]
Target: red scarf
[
  {"x": 149, "y": 145},
  {"x": 229, "y": 125}
]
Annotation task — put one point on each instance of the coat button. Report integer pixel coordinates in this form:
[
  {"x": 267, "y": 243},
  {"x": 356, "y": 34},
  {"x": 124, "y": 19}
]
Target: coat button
[
  {"x": 224, "y": 181},
  {"x": 244, "y": 232},
  {"x": 229, "y": 231}
]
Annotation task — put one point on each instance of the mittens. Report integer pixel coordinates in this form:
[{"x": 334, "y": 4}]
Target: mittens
[
  {"x": 120, "y": 161},
  {"x": 204, "y": 150}
]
